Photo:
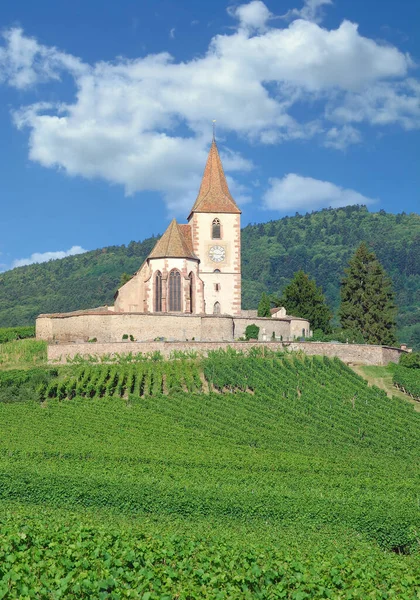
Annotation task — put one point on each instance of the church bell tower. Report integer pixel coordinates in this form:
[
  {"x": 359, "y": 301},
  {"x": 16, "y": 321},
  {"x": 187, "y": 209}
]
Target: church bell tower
[{"x": 215, "y": 222}]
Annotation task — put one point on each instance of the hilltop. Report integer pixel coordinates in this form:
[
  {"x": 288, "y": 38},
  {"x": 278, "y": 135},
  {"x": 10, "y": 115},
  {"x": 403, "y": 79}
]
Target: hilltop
[{"x": 321, "y": 243}]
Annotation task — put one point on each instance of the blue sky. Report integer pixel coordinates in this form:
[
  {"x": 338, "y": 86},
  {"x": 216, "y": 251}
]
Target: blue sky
[{"x": 106, "y": 112}]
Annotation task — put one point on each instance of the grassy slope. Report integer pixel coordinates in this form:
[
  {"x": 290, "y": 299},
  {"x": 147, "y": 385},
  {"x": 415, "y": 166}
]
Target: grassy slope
[
  {"x": 382, "y": 378},
  {"x": 23, "y": 354},
  {"x": 320, "y": 243},
  {"x": 302, "y": 478}
]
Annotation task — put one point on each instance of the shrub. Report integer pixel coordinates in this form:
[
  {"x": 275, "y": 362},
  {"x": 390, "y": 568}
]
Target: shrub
[
  {"x": 252, "y": 332},
  {"x": 9, "y": 334},
  {"x": 18, "y": 385},
  {"x": 411, "y": 360},
  {"x": 131, "y": 338},
  {"x": 125, "y": 336},
  {"x": 339, "y": 335}
]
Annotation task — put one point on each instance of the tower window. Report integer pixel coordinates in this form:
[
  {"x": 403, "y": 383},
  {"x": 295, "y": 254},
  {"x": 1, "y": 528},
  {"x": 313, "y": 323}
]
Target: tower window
[
  {"x": 216, "y": 271},
  {"x": 217, "y": 287},
  {"x": 158, "y": 292},
  {"x": 174, "y": 291},
  {"x": 216, "y": 308},
  {"x": 216, "y": 229}
]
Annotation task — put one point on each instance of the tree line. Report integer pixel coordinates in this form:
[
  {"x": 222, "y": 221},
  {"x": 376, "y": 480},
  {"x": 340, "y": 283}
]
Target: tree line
[{"x": 367, "y": 311}]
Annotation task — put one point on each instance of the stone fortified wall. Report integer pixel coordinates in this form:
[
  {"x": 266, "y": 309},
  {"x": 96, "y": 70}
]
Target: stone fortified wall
[
  {"x": 109, "y": 327},
  {"x": 348, "y": 353}
]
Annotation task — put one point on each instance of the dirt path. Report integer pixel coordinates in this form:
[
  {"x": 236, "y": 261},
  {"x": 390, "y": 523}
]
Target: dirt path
[{"x": 382, "y": 378}]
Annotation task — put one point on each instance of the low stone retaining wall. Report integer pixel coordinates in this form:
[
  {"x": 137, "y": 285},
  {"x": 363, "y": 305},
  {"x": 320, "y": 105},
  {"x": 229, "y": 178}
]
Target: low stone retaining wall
[{"x": 349, "y": 353}]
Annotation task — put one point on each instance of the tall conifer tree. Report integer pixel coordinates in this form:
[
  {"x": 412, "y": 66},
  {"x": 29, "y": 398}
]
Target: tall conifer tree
[
  {"x": 264, "y": 307},
  {"x": 303, "y": 298},
  {"x": 367, "y": 299}
]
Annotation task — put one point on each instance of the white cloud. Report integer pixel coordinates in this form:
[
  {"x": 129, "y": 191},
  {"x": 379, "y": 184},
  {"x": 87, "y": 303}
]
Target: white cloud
[
  {"x": 124, "y": 122},
  {"x": 294, "y": 192},
  {"x": 382, "y": 104},
  {"x": 172, "y": 33},
  {"x": 342, "y": 137},
  {"x": 311, "y": 10},
  {"x": 40, "y": 257},
  {"x": 252, "y": 16},
  {"x": 24, "y": 62}
]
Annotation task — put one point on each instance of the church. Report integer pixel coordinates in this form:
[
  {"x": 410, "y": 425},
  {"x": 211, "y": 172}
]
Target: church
[
  {"x": 195, "y": 268},
  {"x": 187, "y": 289}
]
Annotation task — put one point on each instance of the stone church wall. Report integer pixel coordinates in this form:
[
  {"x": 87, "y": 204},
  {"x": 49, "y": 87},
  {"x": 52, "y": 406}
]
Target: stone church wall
[
  {"x": 111, "y": 326},
  {"x": 281, "y": 329}
]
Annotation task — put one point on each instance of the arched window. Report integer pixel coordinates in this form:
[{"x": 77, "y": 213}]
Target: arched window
[
  {"x": 216, "y": 232},
  {"x": 158, "y": 292},
  {"x": 174, "y": 291},
  {"x": 191, "y": 286},
  {"x": 216, "y": 308},
  {"x": 216, "y": 271}
]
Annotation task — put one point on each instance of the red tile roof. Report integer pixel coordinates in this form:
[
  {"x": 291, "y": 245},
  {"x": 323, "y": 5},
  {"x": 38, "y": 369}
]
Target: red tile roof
[
  {"x": 214, "y": 194},
  {"x": 176, "y": 242},
  {"x": 187, "y": 235}
]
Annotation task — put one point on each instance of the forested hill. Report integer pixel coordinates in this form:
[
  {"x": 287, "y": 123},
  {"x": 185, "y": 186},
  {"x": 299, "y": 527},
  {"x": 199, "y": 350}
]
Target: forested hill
[{"x": 320, "y": 243}]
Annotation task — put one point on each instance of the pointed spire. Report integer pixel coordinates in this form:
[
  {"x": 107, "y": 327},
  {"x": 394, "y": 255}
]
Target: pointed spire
[
  {"x": 174, "y": 243},
  {"x": 214, "y": 194}
]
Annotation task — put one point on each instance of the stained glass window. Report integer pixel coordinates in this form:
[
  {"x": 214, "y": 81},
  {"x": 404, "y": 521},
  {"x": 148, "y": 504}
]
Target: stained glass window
[
  {"x": 174, "y": 291},
  {"x": 158, "y": 292}
]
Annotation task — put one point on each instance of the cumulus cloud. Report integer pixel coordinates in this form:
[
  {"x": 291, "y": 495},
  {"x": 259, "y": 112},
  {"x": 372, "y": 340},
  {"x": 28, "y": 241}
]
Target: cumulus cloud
[
  {"x": 294, "y": 192},
  {"x": 252, "y": 16},
  {"x": 124, "y": 122},
  {"x": 40, "y": 257}
]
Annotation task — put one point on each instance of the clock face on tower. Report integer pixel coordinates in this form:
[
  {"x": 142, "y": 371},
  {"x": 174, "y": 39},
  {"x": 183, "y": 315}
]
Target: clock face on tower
[{"x": 217, "y": 253}]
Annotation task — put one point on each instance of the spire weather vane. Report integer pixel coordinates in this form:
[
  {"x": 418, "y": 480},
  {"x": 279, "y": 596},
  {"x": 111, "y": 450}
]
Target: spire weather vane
[{"x": 214, "y": 129}]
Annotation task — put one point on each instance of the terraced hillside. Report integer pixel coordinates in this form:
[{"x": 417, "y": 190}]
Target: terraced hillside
[{"x": 230, "y": 477}]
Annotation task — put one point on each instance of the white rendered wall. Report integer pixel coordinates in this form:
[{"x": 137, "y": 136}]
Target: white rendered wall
[
  {"x": 229, "y": 278},
  {"x": 185, "y": 267}
]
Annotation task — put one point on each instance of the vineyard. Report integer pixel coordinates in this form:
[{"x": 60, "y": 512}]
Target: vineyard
[
  {"x": 144, "y": 379},
  {"x": 407, "y": 380},
  {"x": 8, "y": 334},
  {"x": 226, "y": 477}
]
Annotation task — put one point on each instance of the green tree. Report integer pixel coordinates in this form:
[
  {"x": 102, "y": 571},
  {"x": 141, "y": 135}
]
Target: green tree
[
  {"x": 367, "y": 299},
  {"x": 264, "y": 306},
  {"x": 125, "y": 277},
  {"x": 303, "y": 298},
  {"x": 252, "y": 332}
]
